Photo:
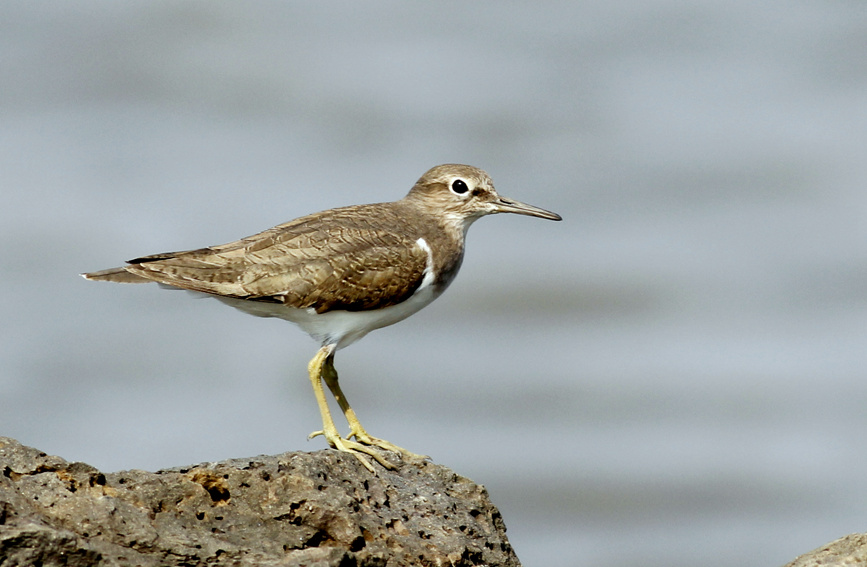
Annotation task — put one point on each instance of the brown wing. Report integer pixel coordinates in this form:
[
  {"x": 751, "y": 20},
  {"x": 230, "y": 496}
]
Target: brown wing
[{"x": 340, "y": 259}]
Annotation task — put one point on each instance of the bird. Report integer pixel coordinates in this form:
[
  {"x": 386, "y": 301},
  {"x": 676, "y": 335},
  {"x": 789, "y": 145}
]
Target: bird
[{"x": 341, "y": 273}]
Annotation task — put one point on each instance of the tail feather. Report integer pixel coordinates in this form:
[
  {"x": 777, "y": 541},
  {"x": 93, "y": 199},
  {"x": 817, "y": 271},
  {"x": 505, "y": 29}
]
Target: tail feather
[{"x": 120, "y": 275}]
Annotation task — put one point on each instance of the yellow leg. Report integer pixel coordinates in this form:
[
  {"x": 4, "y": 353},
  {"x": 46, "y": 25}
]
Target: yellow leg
[
  {"x": 317, "y": 366},
  {"x": 329, "y": 374}
]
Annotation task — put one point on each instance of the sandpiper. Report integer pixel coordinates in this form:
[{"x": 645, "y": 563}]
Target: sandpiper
[{"x": 341, "y": 273}]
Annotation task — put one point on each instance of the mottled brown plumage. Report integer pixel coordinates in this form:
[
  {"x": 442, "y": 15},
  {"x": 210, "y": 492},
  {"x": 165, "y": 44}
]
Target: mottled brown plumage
[
  {"x": 343, "y": 272},
  {"x": 337, "y": 259}
]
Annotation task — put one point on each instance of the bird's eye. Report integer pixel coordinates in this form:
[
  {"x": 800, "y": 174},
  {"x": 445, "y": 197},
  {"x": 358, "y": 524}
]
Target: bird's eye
[{"x": 459, "y": 186}]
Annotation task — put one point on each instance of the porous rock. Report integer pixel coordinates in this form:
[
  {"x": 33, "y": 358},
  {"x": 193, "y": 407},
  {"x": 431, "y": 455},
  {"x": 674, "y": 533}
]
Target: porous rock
[
  {"x": 848, "y": 551},
  {"x": 313, "y": 509}
]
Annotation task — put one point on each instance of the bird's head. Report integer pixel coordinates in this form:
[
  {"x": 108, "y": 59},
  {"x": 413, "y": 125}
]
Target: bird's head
[{"x": 463, "y": 193}]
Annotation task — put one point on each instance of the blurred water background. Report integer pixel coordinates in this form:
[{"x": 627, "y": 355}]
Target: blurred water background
[{"x": 674, "y": 375}]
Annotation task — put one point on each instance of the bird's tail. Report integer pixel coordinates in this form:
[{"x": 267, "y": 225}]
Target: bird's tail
[{"x": 119, "y": 275}]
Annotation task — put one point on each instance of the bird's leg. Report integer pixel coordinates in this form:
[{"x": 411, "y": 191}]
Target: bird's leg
[
  {"x": 319, "y": 368},
  {"x": 329, "y": 374}
]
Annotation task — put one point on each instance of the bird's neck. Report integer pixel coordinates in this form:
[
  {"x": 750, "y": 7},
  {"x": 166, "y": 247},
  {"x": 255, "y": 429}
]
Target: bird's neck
[{"x": 445, "y": 234}]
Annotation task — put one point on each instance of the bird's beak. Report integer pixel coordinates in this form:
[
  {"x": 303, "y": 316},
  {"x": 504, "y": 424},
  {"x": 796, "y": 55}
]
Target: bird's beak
[{"x": 503, "y": 205}]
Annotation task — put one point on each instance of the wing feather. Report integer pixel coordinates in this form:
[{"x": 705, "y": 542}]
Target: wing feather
[{"x": 349, "y": 258}]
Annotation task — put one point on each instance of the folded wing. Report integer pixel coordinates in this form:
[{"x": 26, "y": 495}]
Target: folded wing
[{"x": 322, "y": 263}]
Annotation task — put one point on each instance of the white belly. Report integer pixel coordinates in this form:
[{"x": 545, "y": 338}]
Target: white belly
[
  {"x": 342, "y": 328},
  {"x": 338, "y": 327}
]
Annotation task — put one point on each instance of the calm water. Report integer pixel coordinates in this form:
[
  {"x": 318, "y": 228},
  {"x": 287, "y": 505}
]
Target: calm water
[{"x": 674, "y": 375}]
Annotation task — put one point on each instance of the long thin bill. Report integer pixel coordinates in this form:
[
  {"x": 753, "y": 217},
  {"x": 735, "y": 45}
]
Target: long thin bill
[{"x": 511, "y": 206}]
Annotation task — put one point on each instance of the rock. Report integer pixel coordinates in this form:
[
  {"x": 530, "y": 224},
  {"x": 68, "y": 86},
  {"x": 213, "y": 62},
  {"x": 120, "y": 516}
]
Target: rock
[
  {"x": 850, "y": 550},
  {"x": 313, "y": 509}
]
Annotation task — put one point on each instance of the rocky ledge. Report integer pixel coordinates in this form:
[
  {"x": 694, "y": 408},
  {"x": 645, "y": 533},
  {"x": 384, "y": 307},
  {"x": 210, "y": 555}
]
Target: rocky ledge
[
  {"x": 313, "y": 509},
  {"x": 848, "y": 551}
]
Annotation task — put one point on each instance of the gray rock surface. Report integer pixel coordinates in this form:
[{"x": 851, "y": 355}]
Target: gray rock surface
[
  {"x": 313, "y": 509},
  {"x": 848, "y": 551}
]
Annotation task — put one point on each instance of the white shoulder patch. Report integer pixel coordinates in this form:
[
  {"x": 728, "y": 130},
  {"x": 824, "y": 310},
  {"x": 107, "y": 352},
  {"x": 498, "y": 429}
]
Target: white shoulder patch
[{"x": 429, "y": 274}]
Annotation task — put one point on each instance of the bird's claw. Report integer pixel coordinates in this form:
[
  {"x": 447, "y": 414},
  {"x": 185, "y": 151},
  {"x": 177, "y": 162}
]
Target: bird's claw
[{"x": 354, "y": 447}]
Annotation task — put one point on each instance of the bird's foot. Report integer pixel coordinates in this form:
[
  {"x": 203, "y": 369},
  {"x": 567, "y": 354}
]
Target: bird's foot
[
  {"x": 354, "y": 447},
  {"x": 364, "y": 445},
  {"x": 363, "y": 437}
]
